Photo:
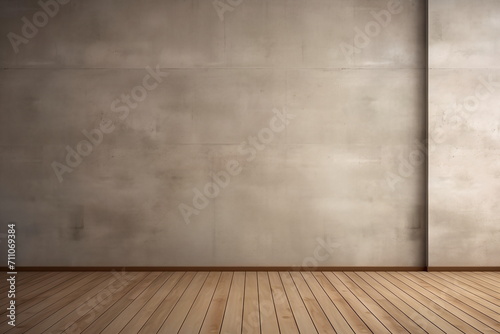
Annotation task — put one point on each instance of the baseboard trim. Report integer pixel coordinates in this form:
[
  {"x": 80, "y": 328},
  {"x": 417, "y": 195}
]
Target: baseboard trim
[
  {"x": 229, "y": 268},
  {"x": 463, "y": 269},
  {"x": 255, "y": 268}
]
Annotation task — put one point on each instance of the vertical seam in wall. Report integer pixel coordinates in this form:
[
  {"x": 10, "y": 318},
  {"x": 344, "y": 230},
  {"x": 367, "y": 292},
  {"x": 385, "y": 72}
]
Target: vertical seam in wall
[{"x": 426, "y": 133}]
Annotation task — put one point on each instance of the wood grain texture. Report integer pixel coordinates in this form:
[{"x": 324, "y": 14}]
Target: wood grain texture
[{"x": 258, "y": 302}]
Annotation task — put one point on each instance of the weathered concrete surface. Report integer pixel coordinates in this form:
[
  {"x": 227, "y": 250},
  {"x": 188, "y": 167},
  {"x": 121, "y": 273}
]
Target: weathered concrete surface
[
  {"x": 316, "y": 194},
  {"x": 463, "y": 34},
  {"x": 464, "y": 127},
  {"x": 190, "y": 33}
]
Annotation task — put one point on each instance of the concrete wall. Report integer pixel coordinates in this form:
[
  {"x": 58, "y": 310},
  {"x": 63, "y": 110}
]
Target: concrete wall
[
  {"x": 464, "y": 127},
  {"x": 311, "y": 114}
]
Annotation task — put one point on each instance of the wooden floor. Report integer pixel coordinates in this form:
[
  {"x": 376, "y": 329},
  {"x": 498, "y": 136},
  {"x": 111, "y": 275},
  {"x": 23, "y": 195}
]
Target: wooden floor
[{"x": 255, "y": 302}]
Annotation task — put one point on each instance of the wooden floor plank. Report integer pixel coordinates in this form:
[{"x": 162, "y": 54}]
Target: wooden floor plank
[
  {"x": 458, "y": 281},
  {"x": 470, "y": 299},
  {"x": 284, "y": 313},
  {"x": 52, "y": 301},
  {"x": 118, "y": 302},
  {"x": 257, "y": 302},
  {"x": 47, "y": 283},
  {"x": 22, "y": 290},
  {"x": 213, "y": 320},
  {"x": 251, "y": 314},
  {"x": 419, "y": 307},
  {"x": 494, "y": 276},
  {"x": 85, "y": 309},
  {"x": 485, "y": 298},
  {"x": 23, "y": 275},
  {"x": 25, "y": 304},
  {"x": 197, "y": 313},
  {"x": 355, "y": 322},
  {"x": 384, "y": 317},
  {"x": 456, "y": 302},
  {"x": 297, "y": 306},
  {"x": 26, "y": 293},
  {"x": 24, "y": 280},
  {"x": 397, "y": 298},
  {"x": 233, "y": 316},
  {"x": 476, "y": 284},
  {"x": 368, "y": 318},
  {"x": 122, "y": 318},
  {"x": 433, "y": 304},
  {"x": 48, "y": 316},
  {"x": 267, "y": 310},
  {"x": 482, "y": 277},
  {"x": 316, "y": 313},
  {"x": 176, "y": 318},
  {"x": 387, "y": 305},
  {"x": 444, "y": 302},
  {"x": 135, "y": 323},
  {"x": 153, "y": 324},
  {"x": 331, "y": 310}
]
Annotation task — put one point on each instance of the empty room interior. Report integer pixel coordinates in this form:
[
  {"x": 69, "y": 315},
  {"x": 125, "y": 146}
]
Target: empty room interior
[{"x": 250, "y": 166}]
